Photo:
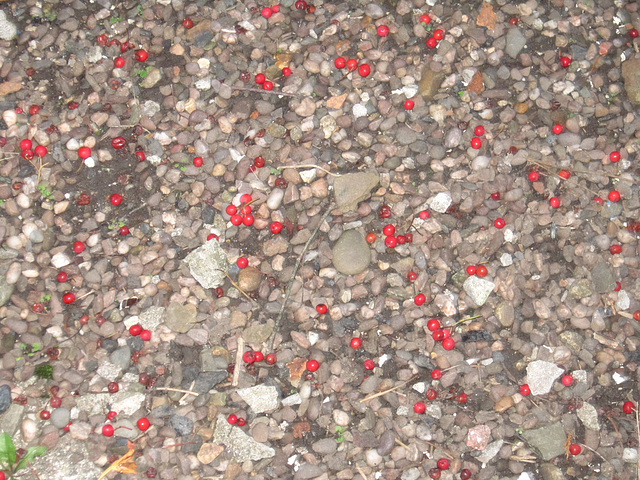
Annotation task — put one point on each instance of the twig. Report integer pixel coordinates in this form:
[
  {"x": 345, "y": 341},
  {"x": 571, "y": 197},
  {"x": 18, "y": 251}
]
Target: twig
[
  {"x": 402, "y": 444},
  {"x": 293, "y": 276},
  {"x": 589, "y": 448},
  {"x": 239, "y": 289},
  {"x": 523, "y": 458},
  {"x": 465, "y": 320},
  {"x": 236, "y": 370},
  {"x": 187, "y": 392},
  {"x": 384, "y": 392},
  {"x": 309, "y": 166},
  {"x": 361, "y": 472},
  {"x": 270, "y": 92}
]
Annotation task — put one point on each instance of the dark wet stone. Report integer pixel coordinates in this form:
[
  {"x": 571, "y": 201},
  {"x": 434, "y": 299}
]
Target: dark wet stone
[{"x": 5, "y": 398}]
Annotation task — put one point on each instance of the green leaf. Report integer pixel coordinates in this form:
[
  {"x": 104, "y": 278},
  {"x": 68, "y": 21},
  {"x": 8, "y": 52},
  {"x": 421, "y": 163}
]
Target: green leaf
[
  {"x": 32, "y": 453},
  {"x": 7, "y": 450}
]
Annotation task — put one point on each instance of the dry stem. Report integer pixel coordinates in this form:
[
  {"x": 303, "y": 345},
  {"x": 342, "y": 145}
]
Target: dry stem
[
  {"x": 239, "y": 289},
  {"x": 259, "y": 90},
  {"x": 310, "y": 166},
  {"x": 236, "y": 370},
  {"x": 384, "y": 392},
  {"x": 188, "y": 392}
]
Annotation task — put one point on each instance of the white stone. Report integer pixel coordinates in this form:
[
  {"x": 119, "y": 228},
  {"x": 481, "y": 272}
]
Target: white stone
[
  {"x": 341, "y": 418},
  {"x": 60, "y": 260},
  {"x": 359, "y": 110},
  {"x": 478, "y": 289},
  {"x": 308, "y": 175},
  {"x": 630, "y": 455},
  {"x": 294, "y": 399},
  {"x": 8, "y": 30},
  {"x": 588, "y": 415},
  {"x": 623, "y": 302},
  {"x": 441, "y": 202},
  {"x": 203, "y": 83},
  {"x": 261, "y": 398},
  {"x": 506, "y": 259},
  {"x": 541, "y": 376}
]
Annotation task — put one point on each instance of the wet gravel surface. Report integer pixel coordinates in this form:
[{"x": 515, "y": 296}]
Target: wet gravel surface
[{"x": 437, "y": 240}]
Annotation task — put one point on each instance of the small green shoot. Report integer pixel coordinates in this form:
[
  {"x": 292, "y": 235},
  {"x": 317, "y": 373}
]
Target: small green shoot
[
  {"x": 46, "y": 191},
  {"x": 115, "y": 19},
  {"x": 340, "y": 431}
]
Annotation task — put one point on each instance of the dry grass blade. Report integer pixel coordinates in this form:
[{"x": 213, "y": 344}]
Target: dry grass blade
[
  {"x": 359, "y": 468},
  {"x": 169, "y": 389},
  {"x": 309, "y": 166},
  {"x": 239, "y": 289},
  {"x": 259, "y": 90},
  {"x": 384, "y": 392},
  {"x": 523, "y": 458}
]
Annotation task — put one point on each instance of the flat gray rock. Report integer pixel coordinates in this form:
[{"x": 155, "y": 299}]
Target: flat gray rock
[
  {"x": 602, "y": 278},
  {"x": 69, "y": 460},
  {"x": 548, "y": 440},
  {"x": 478, "y": 289},
  {"x": 515, "y": 42},
  {"x": 240, "y": 445},
  {"x": 352, "y": 188},
  {"x": 631, "y": 78},
  {"x": 261, "y": 398},
  {"x": 541, "y": 375},
  {"x": 351, "y": 253},
  {"x": 5, "y": 398},
  {"x": 588, "y": 415},
  {"x": 180, "y": 318},
  {"x": 208, "y": 264}
]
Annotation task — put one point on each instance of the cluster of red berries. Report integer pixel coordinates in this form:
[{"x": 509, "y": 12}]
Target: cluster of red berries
[
  {"x": 55, "y": 402},
  {"x": 476, "y": 142},
  {"x": 29, "y": 153},
  {"x": 391, "y": 240},
  {"x": 138, "y": 330},
  {"x": 434, "y": 40},
  {"x": 253, "y": 356},
  {"x": 258, "y": 162},
  {"x": 141, "y": 55},
  {"x": 261, "y": 79},
  {"x": 241, "y": 215},
  {"x": 440, "y": 334},
  {"x": 108, "y": 430},
  {"x": 477, "y": 270},
  {"x": 233, "y": 419},
  {"x": 352, "y": 64}
]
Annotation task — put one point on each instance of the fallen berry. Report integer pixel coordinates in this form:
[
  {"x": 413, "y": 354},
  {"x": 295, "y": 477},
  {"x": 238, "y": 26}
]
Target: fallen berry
[
  {"x": 482, "y": 271},
  {"x": 575, "y": 449},
  {"x": 286, "y": 71},
  {"x": 69, "y": 297},
  {"x": 443, "y": 464},
  {"x": 321, "y": 308},
  {"x": 558, "y": 129},
  {"x": 499, "y": 223},
  {"x": 259, "y": 356},
  {"x": 371, "y": 237},
  {"x": 118, "y": 143},
  {"x": 236, "y": 219},
  {"x": 187, "y": 23},
  {"x": 135, "y": 330},
  {"x": 145, "y": 335},
  {"x": 419, "y": 407},
  {"x": 431, "y": 394},
  {"x": 383, "y": 30},
  {"x": 352, "y": 64},
  {"x": 242, "y": 262},
  {"x": 420, "y": 299},
  {"x": 614, "y": 196},
  {"x": 514, "y": 20},
  {"x": 364, "y": 70},
  {"x": 438, "y": 335},
  {"x": 615, "y": 249},
  {"x": 116, "y": 199},
  {"x": 629, "y": 407},
  {"x": 412, "y": 276},
  {"x": 45, "y": 414},
  {"x": 271, "y": 359},
  {"x": 113, "y": 387},
  {"x": 266, "y": 12},
  {"x": 462, "y": 398},
  {"x": 615, "y": 156},
  {"x": 476, "y": 143},
  {"x": 472, "y": 269},
  {"x": 438, "y": 34},
  {"x": 144, "y": 424},
  {"x": 433, "y": 325},
  {"x": 260, "y": 78},
  {"x": 525, "y": 390},
  {"x": 425, "y": 19},
  {"x": 424, "y": 214},
  {"x": 248, "y": 220},
  {"x": 566, "y": 174},
  {"x": 232, "y": 419},
  {"x": 62, "y": 277},
  {"x": 465, "y": 473},
  {"x": 369, "y": 364},
  {"x": 567, "y": 380},
  {"x": 389, "y": 230},
  {"x": 448, "y": 343},
  {"x": 40, "y": 151},
  {"x": 356, "y": 343},
  {"x": 198, "y": 161},
  {"x": 432, "y": 42},
  {"x": 391, "y": 242},
  {"x": 249, "y": 356},
  {"x": 534, "y": 176},
  {"x": 276, "y": 227},
  {"x": 141, "y": 55},
  {"x": 554, "y": 202},
  {"x": 84, "y": 152},
  {"x": 55, "y": 402},
  {"x": 241, "y": 422},
  {"x": 409, "y": 104},
  {"x": 565, "y": 62},
  {"x": 108, "y": 430},
  {"x": 436, "y": 374},
  {"x": 119, "y": 62},
  {"x": 478, "y": 131},
  {"x": 124, "y": 230},
  {"x": 313, "y": 365},
  {"x": 111, "y": 416},
  {"x": 267, "y": 85},
  {"x": 340, "y": 62}
]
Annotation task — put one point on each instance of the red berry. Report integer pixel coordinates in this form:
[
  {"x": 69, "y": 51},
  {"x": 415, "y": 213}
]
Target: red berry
[
  {"x": 352, "y": 64},
  {"x": 111, "y": 416},
  {"x": 615, "y": 156},
  {"x": 438, "y": 34},
  {"x": 267, "y": 85},
  {"x": 135, "y": 330},
  {"x": 144, "y": 424},
  {"x": 62, "y": 277},
  {"x": 513, "y": 20},
  {"x": 242, "y": 262},
  {"x": 618, "y": 287},
  {"x": 615, "y": 249},
  {"x": 412, "y": 276},
  {"x": 566, "y": 174},
  {"x": 409, "y": 104},
  {"x": 236, "y": 219},
  {"x": 40, "y": 151},
  {"x": 124, "y": 230},
  {"x": 260, "y": 78},
  {"x": 495, "y": 196},
  {"x": 432, "y": 42},
  {"x": 385, "y": 211},
  {"x": 113, "y": 387},
  {"x": 499, "y": 223},
  {"x": 28, "y": 154},
  {"x": 84, "y": 152},
  {"x": 276, "y": 227},
  {"x": 145, "y": 335},
  {"x": 271, "y": 359},
  {"x": 419, "y": 407},
  {"x": 241, "y": 422},
  {"x": 478, "y": 131},
  {"x": 633, "y": 33},
  {"x": 321, "y": 308},
  {"x": 565, "y": 61},
  {"x": 231, "y": 209},
  {"x": 629, "y": 407},
  {"x": 249, "y": 356},
  {"x": 558, "y": 129},
  {"x": 448, "y": 343},
  {"x": 198, "y": 161},
  {"x": 118, "y": 143},
  {"x": 187, "y": 23},
  {"x": 432, "y": 394},
  {"x": 476, "y": 143},
  {"x": 259, "y": 356},
  {"x": 471, "y": 270},
  {"x": 426, "y": 19},
  {"x": 259, "y": 162},
  {"x": 142, "y": 55},
  {"x": 391, "y": 241},
  {"x": 313, "y": 365},
  {"x": 534, "y": 176},
  {"x": 26, "y": 144},
  {"x": 266, "y": 12},
  {"x": 55, "y": 402},
  {"x": 554, "y": 202},
  {"x": 232, "y": 419},
  {"x": 420, "y": 299},
  {"x": 19, "y": 110},
  {"x": 433, "y": 325},
  {"x": 340, "y": 62},
  {"x": 438, "y": 335},
  {"x": 102, "y": 40},
  {"x": 389, "y": 230},
  {"x": 462, "y": 398},
  {"x": 482, "y": 271},
  {"x": 575, "y": 449},
  {"x": 436, "y": 374},
  {"x": 119, "y": 62},
  {"x": 567, "y": 380},
  {"x": 369, "y": 364},
  {"x": 301, "y": 5},
  {"x": 116, "y": 199},
  {"x": 69, "y": 297},
  {"x": 356, "y": 343},
  {"x": 45, "y": 414},
  {"x": 614, "y": 196},
  {"x": 275, "y": 8},
  {"x": 443, "y": 464},
  {"x": 108, "y": 430},
  {"x": 286, "y": 71},
  {"x": 525, "y": 390},
  {"x": 383, "y": 30},
  {"x": 34, "y": 109},
  {"x": 364, "y": 70}
]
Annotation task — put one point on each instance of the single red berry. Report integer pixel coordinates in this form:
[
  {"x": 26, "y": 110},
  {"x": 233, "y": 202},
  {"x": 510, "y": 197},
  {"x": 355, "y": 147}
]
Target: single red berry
[
  {"x": 565, "y": 61},
  {"x": 513, "y": 20},
  {"x": 267, "y": 85},
  {"x": 241, "y": 422},
  {"x": 62, "y": 277},
  {"x": 245, "y": 198},
  {"x": 187, "y": 23},
  {"x": 271, "y": 359},
  {"x": 495, "y": 196},
  {"x": 276, "y": 227},
  {"x": 436, "y": 374},
  {"x": 55, "y": 402},
  {"x": 26, "y": 144},
  {"x": 482, "y": 271},
  {"x": 566, "y": 174},
  {"x": 118, "y": 143},
  {"x": 614, "y": 196},
  {"x": 462, "y": 398},
  {"x": 432, "y": 394},
  {"x": 426, "y": 19},
  {"x": 37, "y": 307},
  {"x": 615, "y": 249},
  {"x": 69, "y": 297},
  {"x": 135, "y": 330},
  {"x": 385, "y": 211},
  {"x": 301, "y": 5},
  {"x": 249, "y": 356},
  {"x": 438, "y": 335},
  {"x": 113, "y": 387},
  {"x": 476, "y": 143},
  {"x": 144, "y": 424},
  {"x": 266, "y": 12},
  {"x": 28, "y": 154},
  {"x": 198, "y": 161},
  {"x": 102, "y": 40},
  {"x": 124, "y": 230},
  {"x": 615, "y": 156},
  {"x": 45, "y": 414},
  {"x": 633, "y": 33},
  {"x": 236, "y": 219},
  {"x": 260, "y": 78},
  {"x": 340, "y": 62},
  {"x": 111, "y": 416},
  {"x": 555, "y": 202},
  {"x": 145, "y": 335},
  {"x": 534, "y": 176},
  {"x": 499, "y": 223},
  {"x": 433, "y": 325},
  {"x": 438, "y": 34},
  {"x": 356, "y": 343},
  {"x": 412, "y": 276},
  {"x": 259, "y": 356},
  {"x": 231, "y": 209},
  {"x": 419, "y": 407},
  {"x": 478, "y": 131},
  {"x": 465, "y": 474},
  {"x": 232, "y": 419},
  {"x": 34, "y": 109},
  {"x": 72, "y": 105},
  {"x": 286, "y": 71},
  {"x": 558, "y": 129},
  {"x": 389, "y": 230},
  {"x": 313, "y": 365},
  {"x": 68, "y": 426},
  {"x": 371, "y": 237},
  {"x": 420, "y": 299},
  {"x": 40, "y": 151},
  {"x": 108, "y": 430},
  {"x": 116, "y": 199},
  {"x": 19, "y": 110},
  {"x": 119, "y": 62},
  {"x": 369, "y": 364},
  {"x": 383, "y": 30},
  {"x": 364, "y": 70},
  {"x": 618, "y": 287},
  {"x": 525, "y": 390},
  {"x": 575, "y": 449},
  {"x": 443, "y": 464},
  {"x": 391, "y": 241},
  {"x": 142, "y": 55},
  {"x": 567, "y": 380},
  {"x": 259, "y": 162},
  {"x": 449, "y": 343},
  {"x": 248, "y": 220},
  {"x": 242, "y": 262},
  {"x": 84, "y": 152},
  {"x": 84, "y": 319},
  {"x": 629, "y": 407},
  {"x": 432, "y": 42},
  {"x": 321, "y": 308},
  {"x": 352, "y": 64},
  {"x": 409, "y": 104}
]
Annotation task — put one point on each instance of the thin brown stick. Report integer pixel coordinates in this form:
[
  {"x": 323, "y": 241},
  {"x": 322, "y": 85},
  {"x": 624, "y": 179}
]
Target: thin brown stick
[
  {"x": 239, "y": 289},
  {"x": 384, "y": 392},
  {"x": 402, "y": 444},
  {"x": 236, "y": 370},
  {"x": 270, "y": 92},
  {"x": 187, "y": 392},
  {"x": 309, "y": 166},
  {"x": 361, "y": 472}
]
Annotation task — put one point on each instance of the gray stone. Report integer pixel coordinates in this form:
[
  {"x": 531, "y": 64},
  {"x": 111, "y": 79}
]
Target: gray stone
[
  {"x": 182, "y": 425},
  {"x": 551, "y": 472},
  {"x": 261, "y": 398},
  {"x": 205, "y": 381},
  {"x": 126, "y": 403},
  {"x": 486, "y": 455},
  {"x": 125, "y": 428},
  {"x": 478, "y": 289},
  {"x": 406, "y": 136},
  {"x": 588, "y": 415},
  {"x": 541, "y": 375},
  {"x": 6, "y": 290},
  {"x": 351, "y": 253},
  {"x": 411, "y": 474},
  {"x": 631, "y": 78},
  {"x": 60, "y": 417},
  {"x": 240, "y": 445},
  {"x": 154, "y": 75},
  {"x": 208, "y": 264},
  {"x": 603, "y": 279},
  {"x": 152, "y": 318},
  {"x": 69, "y": 460},
  {"x": 121, "y": 357},
  {"x": 308, "y": 471},
  {"x": 374, "y": 10},
  {"x": 581, "y": 289},
  {"x": 256, "y": 334},
  {"x": 630, "y": 455},
  {"x": 549, "y": 440},
  {"x": 11, "y": 419},
  {"x": 180, "y": 318},
  {"x": 515, "y": 42},
  {"x": 5, "y": 398},
  {"x": 352, "y": 188},
  {"x": 325, "y": 446}
]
